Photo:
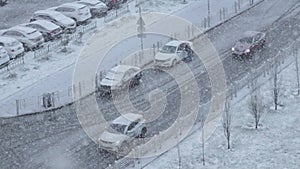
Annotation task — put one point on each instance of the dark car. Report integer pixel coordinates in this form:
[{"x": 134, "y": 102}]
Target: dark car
[
  {"x": 3, "y": 2},
  {"x": 251, "y": 41}
]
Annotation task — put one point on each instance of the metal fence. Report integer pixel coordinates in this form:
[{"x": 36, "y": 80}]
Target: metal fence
[
  {"x": 114, "y": 14},
  {"x": 51, "y": 46}
]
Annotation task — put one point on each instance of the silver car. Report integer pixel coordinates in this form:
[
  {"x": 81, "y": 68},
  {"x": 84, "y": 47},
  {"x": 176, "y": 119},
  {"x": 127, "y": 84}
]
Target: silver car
[
  {"x": 122, "y": 131},
  {"x": 12, "y": 46},
  {"x": 48, "y": 29},
  {"x": 29, "y": 37}
]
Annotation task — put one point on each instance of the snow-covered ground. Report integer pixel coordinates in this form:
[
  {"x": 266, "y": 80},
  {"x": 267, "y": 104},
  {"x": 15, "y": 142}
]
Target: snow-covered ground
[
  {"x": 275, "y": 144},
  {"x": 53, "y": 72}
]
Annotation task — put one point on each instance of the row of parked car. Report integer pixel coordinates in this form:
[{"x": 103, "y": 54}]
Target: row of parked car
[{"x": 49, "y": 24}]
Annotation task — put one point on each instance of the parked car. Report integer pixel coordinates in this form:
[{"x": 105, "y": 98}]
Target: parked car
[
  {"x": 3, "y": 2},
  {"x": 29, "y": 37},
  {"x": 48, "y": 29},
  {"x": 12, "y": 46},
  {"x": 251, "y": 41},
  {"x": 112, "y": 4},
  {"x": 122, "y": 131},
  {"x": 4, "y": 58},
  {"x": 66, "y": 23},
  {"x": 120, "y": 77},
  {"x": 173, "y": 52},
  {"x": 78, "y": 12},
  {"x": 97, "y": 8}
]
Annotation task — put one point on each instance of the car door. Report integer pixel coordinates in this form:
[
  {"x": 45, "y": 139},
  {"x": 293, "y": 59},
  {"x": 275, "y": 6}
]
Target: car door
[
  {"x": 126, "y": 77},
  {"x": 259, "y": 39},
  {"x": 180, "y": 51},
  {"x": 131, "y": 130}
]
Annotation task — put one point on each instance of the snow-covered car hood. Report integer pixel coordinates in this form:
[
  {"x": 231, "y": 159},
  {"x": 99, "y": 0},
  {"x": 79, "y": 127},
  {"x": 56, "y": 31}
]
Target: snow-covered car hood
[
  {"x": 164, "y": 56},
  {"x": 112, "y": 137},
  {"x": 109, "y": 82},
  {"x": 241, "y": 47}
]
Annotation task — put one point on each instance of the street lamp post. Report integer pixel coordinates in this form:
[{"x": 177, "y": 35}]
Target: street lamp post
[{"x": 208, "y": 13}]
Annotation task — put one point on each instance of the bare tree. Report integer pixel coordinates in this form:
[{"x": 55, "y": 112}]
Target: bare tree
[
  {"x": 226, "y": 122},
  {"x": 256, "y": 106},
  {"x": 295, "y": 53},
  {"x": 276, "y": 86}
]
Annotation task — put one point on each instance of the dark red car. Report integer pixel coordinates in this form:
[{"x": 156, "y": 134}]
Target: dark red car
[{"x": 251, "y": 41}]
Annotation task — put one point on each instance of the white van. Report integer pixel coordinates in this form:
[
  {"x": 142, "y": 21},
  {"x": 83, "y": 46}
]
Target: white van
[{"x": 4, "y": 58}]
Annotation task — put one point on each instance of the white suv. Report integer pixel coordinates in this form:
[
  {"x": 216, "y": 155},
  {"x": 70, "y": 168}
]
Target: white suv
[
  {"x": 122, "y": 131},
  {"x": 78, "y": 12},
  {"x": 12, "y": 46},
  {"x": 29, "y": 37}
]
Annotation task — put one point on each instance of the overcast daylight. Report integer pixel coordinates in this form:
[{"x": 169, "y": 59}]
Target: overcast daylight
[{"x": 149, "y": 84}]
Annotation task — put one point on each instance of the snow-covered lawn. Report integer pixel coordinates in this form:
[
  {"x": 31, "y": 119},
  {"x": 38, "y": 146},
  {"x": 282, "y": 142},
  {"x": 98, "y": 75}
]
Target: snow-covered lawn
[{"x": 275, "y": 144}]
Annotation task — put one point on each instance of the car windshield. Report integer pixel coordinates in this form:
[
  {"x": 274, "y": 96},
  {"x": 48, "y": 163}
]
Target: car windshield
[
  {"x": 168, "y": 49},
  {"x": 120, "y": 128},
  {"x": 113, "y": 75},
  {"x": 246, "y": 40}
]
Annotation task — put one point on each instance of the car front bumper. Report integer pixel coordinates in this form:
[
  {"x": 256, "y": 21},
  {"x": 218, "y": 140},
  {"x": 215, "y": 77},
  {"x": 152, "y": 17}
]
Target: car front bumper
[{"x": 160, "y": 63}]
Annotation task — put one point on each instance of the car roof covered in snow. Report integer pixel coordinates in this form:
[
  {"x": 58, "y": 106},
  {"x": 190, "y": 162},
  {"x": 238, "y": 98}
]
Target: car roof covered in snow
[
  {"x": 48, "y": 12},
  {"x": 22, "y": 29},
  {"x": 126, "y": 119},
  {"x": 72, "y": 5},
  {"x": 91, "y": 1},
  {"x": 7, "y": 39},
  {"x": 174, "y": 43},
  {"x": 44, "y": 23},
  {"x": 123, "y": 68}
]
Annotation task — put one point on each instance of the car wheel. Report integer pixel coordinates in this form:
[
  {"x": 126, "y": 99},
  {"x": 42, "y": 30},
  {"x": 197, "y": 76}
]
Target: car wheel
[
  {"x": 143, "y": 132},
  {"x": 263, "y": 45},
  {"x": 26, "y": 48}
]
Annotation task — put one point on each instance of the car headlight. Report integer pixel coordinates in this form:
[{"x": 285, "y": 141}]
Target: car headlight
[
  {"x": 247, "y": 50},
  {"x": 232, "y": 49}
]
